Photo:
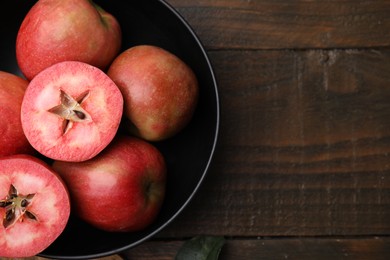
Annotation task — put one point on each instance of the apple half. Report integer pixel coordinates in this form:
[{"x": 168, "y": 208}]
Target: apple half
[
  {"x": 34, "y": 206},
  {"x": 71, "y": 111}
]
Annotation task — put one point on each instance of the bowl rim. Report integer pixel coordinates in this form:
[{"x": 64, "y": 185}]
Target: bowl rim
[{"x": 120, "y": 250}]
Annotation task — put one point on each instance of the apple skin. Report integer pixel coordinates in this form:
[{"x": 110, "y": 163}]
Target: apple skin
[
  {"x": 12, "y": 138},
  {"x": 120, "y": 190},
  {"x": 160, "y": 91},
  {"x": 57, "y": 30}
]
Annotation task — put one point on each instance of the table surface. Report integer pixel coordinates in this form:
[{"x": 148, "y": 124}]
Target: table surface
[{"x": 302, "y": 168}]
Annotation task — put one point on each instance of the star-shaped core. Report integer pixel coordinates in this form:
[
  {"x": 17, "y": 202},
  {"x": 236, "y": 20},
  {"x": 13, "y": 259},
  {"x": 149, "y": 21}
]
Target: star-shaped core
[
  {"x": 70, "y": 110},
  {"x": 16, "y": 207}
]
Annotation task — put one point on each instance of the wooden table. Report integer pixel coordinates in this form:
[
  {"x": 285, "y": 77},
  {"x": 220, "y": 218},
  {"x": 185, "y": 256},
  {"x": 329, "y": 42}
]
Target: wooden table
[{"x": 302, "y": 167}]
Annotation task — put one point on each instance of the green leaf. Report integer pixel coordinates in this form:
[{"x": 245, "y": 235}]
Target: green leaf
[{"x": 201, "y": 248}]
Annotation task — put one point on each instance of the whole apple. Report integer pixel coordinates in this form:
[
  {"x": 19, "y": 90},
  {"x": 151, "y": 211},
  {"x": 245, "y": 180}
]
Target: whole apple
[
  {"x": 12, "y": 138},
  {"x": 160, "y": 91},
  {"x": 121, "y": 189},
  {"x": 57, "y": 30}
]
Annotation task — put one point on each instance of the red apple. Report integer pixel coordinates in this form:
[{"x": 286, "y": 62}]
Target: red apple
[
  {"x": 57, "y": 30},
  {"x": 34, "y": 206},
  {"x": 121, "y": 189},
  {"x": 12, "y": 138},
  {"x": 160, "y": 91},
  {"x": 71, "y": 111}
]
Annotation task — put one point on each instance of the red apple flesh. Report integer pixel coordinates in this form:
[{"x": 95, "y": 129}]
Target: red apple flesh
[
  {"x": 57, "y": 30},
  {"x": 71, "y": 111},
  {"x": 160, "y": 91},
  {"x": 12, "y": 138},
  {"x": 121, "y": 189}
]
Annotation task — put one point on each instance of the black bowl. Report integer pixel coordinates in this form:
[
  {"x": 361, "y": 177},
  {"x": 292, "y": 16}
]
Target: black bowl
[{"x": 188, "y": 155}]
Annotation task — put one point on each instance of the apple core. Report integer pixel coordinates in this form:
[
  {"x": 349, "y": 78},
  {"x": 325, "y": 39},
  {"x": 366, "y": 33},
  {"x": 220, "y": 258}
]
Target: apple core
[
  {"x": 16, "y": 207},
  {"x": 70, "y": 110}
]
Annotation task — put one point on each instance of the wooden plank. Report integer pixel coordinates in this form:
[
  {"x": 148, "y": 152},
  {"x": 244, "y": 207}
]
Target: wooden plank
[
  {"x": 304, "y": 146},
  {"x": 269, "y": 24},
  {"x": 296, "y": 248}
]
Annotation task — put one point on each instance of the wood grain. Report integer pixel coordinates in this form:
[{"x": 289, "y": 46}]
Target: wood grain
[
  {"x": 304, "y": 146},
  {"x": 269, "y": 24}
]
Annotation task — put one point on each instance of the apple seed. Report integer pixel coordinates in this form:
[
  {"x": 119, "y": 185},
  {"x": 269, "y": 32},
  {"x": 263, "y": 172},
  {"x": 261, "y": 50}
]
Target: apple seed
[
  {"x": 16, "y": 207},
  {"x": 9, "y": 216},
  {"x": 4, "y": 204},
  {"x": 31, "y": 215},
  {"x": 70, "y": 110}
]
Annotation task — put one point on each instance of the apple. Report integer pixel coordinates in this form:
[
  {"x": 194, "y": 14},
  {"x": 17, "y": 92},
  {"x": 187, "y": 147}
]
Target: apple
[
  {"x": 34, "y": 206},
  {"x": 160, "y": 91},
  {"x": 12, "y": 138},
  {"x": 121, "y": 189},
  {"x": 71, "y": 111},
  {"x": 57, "y": 30}
]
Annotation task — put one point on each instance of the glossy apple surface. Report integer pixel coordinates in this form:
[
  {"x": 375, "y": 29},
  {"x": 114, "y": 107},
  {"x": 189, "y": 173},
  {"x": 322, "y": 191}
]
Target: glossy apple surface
[
  {"x": 160, "y": 91},
  {"x": 71, "y": 111},
  {"x": 34, "y": 206},
  {"x": 57, "y": 30},
  {"x": 121, "y": 189},
  {"x": 12, "y": 138}
]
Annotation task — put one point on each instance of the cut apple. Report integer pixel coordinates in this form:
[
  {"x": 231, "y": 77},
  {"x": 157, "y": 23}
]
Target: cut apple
[
  {"x": 34, "y": 206},
  {"x": 71, "y": 111}
]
